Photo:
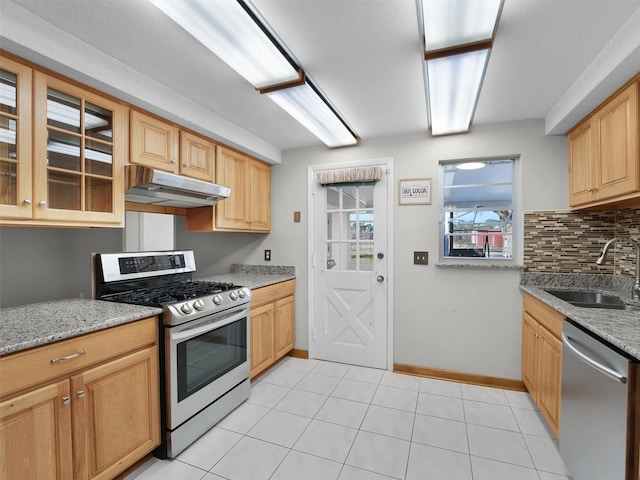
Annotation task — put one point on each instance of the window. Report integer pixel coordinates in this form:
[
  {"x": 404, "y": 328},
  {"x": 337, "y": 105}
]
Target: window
[{"x": 478, "y": 209}]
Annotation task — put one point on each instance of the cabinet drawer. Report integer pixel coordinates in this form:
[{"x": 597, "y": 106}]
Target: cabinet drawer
[
  {"x": 32, "y": 367},
  {"x": 271, "y": 293},
  {"x": 545, "y": 315}
]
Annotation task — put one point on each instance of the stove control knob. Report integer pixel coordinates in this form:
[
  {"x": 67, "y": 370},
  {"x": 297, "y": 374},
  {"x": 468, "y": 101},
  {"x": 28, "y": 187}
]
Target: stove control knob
[
  {"x": 217, "y": 299},
  {"x": 242, "y": 293},
  {"x": 198, "y": 304},
  {"x": 186, "y": 308},
  {"x": 233, "y": 295}
]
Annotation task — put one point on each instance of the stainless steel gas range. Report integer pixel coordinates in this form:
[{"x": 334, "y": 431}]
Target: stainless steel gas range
[{"x": 204, "y": 337}]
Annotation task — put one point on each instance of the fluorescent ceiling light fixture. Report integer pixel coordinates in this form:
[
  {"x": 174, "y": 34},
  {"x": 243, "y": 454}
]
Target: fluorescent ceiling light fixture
[
  {"x": 235, "y": 33},
  {"x": 313, "y": 111},
  {"x": 458, "y": 37},
  {"x": 454, "y": 86},
  {"x": 470, "y": 166},
  {"x": 449, "y": 23}
]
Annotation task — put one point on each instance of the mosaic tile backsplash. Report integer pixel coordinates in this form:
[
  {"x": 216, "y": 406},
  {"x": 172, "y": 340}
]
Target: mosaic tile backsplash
[{"x": 569, "y": 242}]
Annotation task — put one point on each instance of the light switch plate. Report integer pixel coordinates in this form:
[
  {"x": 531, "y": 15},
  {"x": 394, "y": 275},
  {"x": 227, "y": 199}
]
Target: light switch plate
[{"x": 421, "y": 258}]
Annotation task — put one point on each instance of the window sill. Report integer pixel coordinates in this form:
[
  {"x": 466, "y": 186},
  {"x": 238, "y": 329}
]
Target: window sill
[{"x": 480, "y": 265}]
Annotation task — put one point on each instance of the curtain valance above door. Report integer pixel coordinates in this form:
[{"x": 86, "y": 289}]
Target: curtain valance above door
[{"x": 349, "y": 175}]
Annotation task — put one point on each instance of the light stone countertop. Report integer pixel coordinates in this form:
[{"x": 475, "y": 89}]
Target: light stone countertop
[
  {"x": 32, "y": 325},
  {"x": 620, "y": 328},
  {"x": 254, "y": 276}
]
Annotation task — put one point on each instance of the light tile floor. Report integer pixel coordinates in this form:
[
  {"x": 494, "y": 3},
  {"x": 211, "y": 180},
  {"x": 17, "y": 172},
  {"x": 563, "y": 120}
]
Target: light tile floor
[{"x": 308, "y": 419}]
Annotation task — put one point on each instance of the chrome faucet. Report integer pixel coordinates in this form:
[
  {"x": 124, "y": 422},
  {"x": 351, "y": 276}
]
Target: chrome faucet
[{"x": 635, "y": 291}]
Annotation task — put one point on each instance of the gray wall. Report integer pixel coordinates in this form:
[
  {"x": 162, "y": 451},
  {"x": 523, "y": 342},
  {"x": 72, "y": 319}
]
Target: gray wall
[{"x": 40, "y": 264}]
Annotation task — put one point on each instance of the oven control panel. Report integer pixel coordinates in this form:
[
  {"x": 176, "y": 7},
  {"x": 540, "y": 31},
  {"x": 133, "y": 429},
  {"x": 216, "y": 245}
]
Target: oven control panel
[{"x": 206, "y": 305}]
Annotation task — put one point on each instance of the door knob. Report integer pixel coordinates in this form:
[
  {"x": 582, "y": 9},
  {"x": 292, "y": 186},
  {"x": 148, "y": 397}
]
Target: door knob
[
  {"x": 380, "y": 255},
  {"x": 380, "y": 279}
]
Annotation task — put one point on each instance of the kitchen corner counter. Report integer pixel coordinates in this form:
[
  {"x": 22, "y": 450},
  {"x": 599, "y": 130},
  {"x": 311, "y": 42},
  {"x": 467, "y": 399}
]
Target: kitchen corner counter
[
  {"x": 255, "y": 276},
  {"x": 32, "y": 325},
  {"x": 620, "y": 328}
]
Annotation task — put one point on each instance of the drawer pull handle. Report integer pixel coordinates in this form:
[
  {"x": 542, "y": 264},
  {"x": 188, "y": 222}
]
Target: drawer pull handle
[{"x": 69, "y": 357}]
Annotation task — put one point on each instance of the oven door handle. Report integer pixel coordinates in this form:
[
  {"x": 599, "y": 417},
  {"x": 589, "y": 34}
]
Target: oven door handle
[{"x": 190, "y": 333}]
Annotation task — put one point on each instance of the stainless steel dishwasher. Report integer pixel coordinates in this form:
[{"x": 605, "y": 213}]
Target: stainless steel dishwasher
[{"x": 594, "y": 409}]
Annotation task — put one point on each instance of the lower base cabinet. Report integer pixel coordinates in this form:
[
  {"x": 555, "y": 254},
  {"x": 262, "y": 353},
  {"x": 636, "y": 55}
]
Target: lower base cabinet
[
  {"x": 272, "y": 325},
  {"x": 542, "y": 358},
  {"x": 95, "y": 421}
]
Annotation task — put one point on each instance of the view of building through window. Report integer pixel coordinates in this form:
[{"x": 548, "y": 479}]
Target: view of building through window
[{"x": 477, "y": 209}]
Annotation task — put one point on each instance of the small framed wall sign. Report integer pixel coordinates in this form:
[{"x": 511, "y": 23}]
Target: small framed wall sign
[{"x": 415, "y": 191}]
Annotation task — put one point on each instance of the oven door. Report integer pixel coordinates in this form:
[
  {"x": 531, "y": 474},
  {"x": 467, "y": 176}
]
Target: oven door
[{"x": 205, "y": 358}]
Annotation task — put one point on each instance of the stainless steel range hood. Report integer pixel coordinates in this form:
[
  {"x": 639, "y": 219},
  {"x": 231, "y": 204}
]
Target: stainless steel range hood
[{"x": 155, "y": 187}]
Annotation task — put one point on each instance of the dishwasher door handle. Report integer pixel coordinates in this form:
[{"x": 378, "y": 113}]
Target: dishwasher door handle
[{"x": 591, "y": 362}]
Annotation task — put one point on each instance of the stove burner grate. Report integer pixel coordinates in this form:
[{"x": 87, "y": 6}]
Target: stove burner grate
[{"x": 170, "y": 294}]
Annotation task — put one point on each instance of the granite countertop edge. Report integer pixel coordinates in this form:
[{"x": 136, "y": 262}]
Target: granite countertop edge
[
  {"x": 33, "y": 325},
  {"x": 620, "y": 328}
]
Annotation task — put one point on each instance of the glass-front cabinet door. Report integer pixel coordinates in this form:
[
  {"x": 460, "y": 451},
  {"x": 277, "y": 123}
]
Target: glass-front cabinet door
[
  {"x": 15, "y": 140},
  {"x": 79, "y": 140}
]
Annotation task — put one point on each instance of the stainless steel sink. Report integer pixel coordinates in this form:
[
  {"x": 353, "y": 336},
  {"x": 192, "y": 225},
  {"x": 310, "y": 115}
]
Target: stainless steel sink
[{"x": 591, "y": 300}]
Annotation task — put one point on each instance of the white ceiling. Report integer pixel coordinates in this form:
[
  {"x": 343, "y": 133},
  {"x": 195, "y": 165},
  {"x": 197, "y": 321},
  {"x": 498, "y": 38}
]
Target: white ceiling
[{"x": 551, "y": 58}]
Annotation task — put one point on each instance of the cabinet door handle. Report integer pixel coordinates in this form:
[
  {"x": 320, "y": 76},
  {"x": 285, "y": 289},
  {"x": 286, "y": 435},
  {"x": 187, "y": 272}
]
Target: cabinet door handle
[
  {"x": 80, "y": 394},
  {"x": 66, "y": 400},
  {"x": 173, "y": 160},
  {"x": 27, "y": 201},
  {"x": 42, "y": 203},
  {"x": 69, "y": 357}
]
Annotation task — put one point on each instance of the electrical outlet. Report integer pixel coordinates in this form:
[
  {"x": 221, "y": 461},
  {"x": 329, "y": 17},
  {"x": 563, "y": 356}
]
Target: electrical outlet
[
  {"x": 421, "y": 258},
  {"x": 267, "y": 255}
]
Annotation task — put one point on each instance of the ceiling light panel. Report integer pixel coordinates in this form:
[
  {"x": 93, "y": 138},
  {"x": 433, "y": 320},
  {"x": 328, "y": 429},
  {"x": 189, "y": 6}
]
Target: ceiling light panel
[
  {"x": 454, "y": 84},
  {"x": 225, "y": 28},
  {"x": 449, "y": 23},
  {"x": 306, "y": 105}
]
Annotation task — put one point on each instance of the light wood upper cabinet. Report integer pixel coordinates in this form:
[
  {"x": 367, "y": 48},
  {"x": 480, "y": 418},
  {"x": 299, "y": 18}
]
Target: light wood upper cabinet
[
  {"x": 248, "y": 208},
  {"x": 604, "y": 153},
  {"x": 197, "y": 157},
  {"x": 78, "y": 151},
  {"x": 16, "y": 196},
  {"x": 160, "y": 145},
  {"x": 64, "y": 155},
  {"x": 153, "y": 143},
  {"x": 89, "y": 417}
]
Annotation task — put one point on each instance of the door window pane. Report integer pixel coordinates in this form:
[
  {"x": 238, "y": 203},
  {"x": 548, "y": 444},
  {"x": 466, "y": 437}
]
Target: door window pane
[
  {"x": 63, "y": 111},
  {"x": 335, "y": 225},
  {"x": 350, "y": 223},
  {"x": 349, "y": 197},
  {"x": 8, "y": 92}
]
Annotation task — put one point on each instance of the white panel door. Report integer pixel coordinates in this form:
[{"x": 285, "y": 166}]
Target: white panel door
[{"x": 350, "y": 269}]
